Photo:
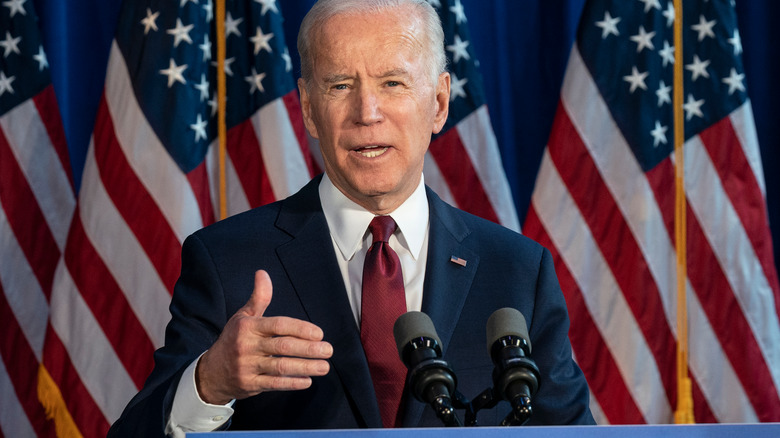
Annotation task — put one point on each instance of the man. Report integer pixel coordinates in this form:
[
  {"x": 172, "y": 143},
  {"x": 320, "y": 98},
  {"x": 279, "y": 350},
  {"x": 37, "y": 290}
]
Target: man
[{"x": 268, "y": 314}]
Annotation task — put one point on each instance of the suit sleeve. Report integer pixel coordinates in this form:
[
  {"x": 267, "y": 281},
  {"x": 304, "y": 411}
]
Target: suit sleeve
[
  {"x": 563, "y": 395},
  {"x": 198, "y": 315}
]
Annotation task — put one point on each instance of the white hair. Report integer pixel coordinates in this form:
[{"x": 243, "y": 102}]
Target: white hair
[{"x": 433, "y": 55}]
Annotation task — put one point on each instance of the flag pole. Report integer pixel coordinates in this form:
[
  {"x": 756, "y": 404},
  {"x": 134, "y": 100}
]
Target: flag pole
[
  {"x": 684, "y": 412},
  {"x": 221, "y": 106}
]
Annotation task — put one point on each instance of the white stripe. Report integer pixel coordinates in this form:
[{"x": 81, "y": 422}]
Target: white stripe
[
  {"x": 21, "y": 288},
  {"x": 237, "y": 201},
  {"x": 745, "y": 128},
  {"x": 435, "y": 180},
  {"x": 13, "y": 418},
  {"x": 122, "y": 254},
  {"x": 93, "y": 357},
  {"x": 734, "y": 251},
  {"x": 611, "y": 314},
  {"x": 478, "y": 138},
  {"x": 163, "y": 179},
  {"x": 284, "y": 163},
  {"x": 635, "y": 198},
  {"x": 42, "y": 167}
]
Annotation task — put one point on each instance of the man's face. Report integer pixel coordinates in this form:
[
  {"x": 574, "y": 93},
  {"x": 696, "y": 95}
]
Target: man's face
[{"x": 372, "y": 105}]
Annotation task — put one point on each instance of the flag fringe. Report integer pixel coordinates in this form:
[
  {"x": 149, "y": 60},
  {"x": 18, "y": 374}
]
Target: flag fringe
[{"x": 51, "y": 398}]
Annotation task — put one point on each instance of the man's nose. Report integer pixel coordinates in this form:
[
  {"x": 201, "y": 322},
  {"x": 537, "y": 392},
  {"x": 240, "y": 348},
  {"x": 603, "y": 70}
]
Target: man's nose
[{"x": 368, "y": 108}]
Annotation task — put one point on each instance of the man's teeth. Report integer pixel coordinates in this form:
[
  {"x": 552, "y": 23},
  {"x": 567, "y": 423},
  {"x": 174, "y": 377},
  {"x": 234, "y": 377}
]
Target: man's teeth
[{"x": 372, "y": 152}]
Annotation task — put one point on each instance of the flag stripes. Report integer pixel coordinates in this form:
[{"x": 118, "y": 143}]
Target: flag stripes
[{"x": 591, "y": 198}]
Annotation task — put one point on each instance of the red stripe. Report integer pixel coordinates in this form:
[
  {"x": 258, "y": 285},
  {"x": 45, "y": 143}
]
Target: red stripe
[
  {"x": 244, "y": 150},
  {"x": 729, "y": 323},
  {"x": 49, "y": 112},
  {"x": 456, "y": 168},
  {"x": 82, "y": 407},
  {"x": 22, "y": 367},
  {"x": 108, "y": 304},
  {"x": 741, "y": 186},
  {"x": 616, "y": 242},
  {"x": 199, "y": 181},
  {"x": 593, "y": 355},
  {"x": 134, "y": 203},
  {"x": 718, "y": 302},
  {"x": 293, "y": 105},
  {"x": 26, "y": 218}
]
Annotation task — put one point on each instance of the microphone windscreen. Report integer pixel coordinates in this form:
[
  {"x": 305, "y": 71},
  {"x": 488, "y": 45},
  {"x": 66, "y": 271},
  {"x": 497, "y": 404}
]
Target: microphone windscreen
[
  {"x": 413, "y": 325},
  {"x": 506, "y": 322}
]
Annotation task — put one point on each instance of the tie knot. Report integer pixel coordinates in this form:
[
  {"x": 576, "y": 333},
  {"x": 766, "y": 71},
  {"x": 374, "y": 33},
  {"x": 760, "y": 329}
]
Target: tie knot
[{"x": 381, "y": 228}]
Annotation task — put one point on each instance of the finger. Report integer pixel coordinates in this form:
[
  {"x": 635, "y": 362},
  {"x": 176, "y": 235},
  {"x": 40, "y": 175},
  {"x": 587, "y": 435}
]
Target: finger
[
  {"x": 261, "y": 295},
  {"x": 293, "y": 367},
  {"x": 286, "y": 326},
  {"x": 294, "y": 347}
]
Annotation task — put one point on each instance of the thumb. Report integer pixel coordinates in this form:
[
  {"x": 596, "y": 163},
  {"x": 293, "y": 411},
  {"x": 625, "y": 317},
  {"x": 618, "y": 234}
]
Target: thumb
[{"x": 261, "y": 295}]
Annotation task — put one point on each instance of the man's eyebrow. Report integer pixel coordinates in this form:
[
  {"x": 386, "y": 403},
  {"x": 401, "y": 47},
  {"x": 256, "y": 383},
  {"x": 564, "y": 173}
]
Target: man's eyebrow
[
  {"x": 394, "y": 72},
  {"x": 333, "y": 78}
]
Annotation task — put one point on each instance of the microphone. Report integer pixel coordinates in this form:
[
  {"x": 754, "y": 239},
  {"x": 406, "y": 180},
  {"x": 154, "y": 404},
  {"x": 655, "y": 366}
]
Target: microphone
[
  {"x": 430, "y": 378},
  {"x": 515, "y": 376}
]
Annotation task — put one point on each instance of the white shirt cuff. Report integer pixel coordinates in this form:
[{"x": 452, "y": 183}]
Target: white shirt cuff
[{"x": 190, "y": 413}]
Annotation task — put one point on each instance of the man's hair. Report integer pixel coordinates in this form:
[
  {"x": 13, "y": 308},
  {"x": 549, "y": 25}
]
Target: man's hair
[{"x": 433, "y": 36}]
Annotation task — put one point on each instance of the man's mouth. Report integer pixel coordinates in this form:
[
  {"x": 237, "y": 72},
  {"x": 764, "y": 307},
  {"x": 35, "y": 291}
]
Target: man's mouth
[{"x": 372, "y": 151}]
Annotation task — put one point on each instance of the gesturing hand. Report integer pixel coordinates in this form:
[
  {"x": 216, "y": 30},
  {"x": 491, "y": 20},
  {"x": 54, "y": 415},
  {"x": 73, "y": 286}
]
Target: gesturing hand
[{"x": 256, "y": 353}]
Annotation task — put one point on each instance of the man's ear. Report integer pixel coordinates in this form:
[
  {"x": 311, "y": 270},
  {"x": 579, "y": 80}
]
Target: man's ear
[
  {"x": 306, "y": 109},
  {"x": 442, "y": 102}
]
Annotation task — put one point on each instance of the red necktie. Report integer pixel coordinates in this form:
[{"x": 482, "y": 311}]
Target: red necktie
[{"x": 383, "y": 302}]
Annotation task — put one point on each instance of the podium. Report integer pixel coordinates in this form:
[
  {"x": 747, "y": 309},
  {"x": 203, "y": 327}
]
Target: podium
[{"x": 761, "y": 430}]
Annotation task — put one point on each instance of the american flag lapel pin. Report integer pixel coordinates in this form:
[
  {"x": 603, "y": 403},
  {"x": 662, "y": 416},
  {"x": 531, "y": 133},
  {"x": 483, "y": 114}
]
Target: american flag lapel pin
[{"x": 458, "y": 261}]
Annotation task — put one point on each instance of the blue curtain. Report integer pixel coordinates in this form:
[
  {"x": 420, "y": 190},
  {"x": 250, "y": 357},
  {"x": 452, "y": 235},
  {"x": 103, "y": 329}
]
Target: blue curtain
[{"x": 522, "y": 46}]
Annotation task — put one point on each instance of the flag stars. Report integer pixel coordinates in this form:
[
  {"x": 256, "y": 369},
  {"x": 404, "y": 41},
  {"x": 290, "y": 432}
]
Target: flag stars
[
  {"x": 287, "y": 60},
  {"x": 457, "y": 87},
  {"x": 667, "y": 54},
  {"x": 180, "y": 33},
  {"x": 659, "y": 134},
  {"x": 150, "y": 21},
  {"x": 231, "y": 25},
  {"x": 255, "y": 81},
  {"x": 260, "y": 40},
  {"x": 434, "y": 3},
  {"x": 698, "y": 68},
  {"x": 203, "y": 87},
  {"x": 206, "y": 48},
  {"x": 669, "y": 14},
  {"x": 735, "y": 81},
  {"x": 209, "y": 8},
  {"x": 184, "y": 2},
  {"x": 460, "y": 14},
  {"x": 268, "y": 5},
  {"x": 643, "y": 40},
  {"x": 664, "y": 94},
  {"x": 174, "y": 73},
  {"x": 213, "y": 104},
  {"x": 200, "y": 128},
  {"x": 636, "y": 79},
  {"x": 15, "y": 6},
  {"x": 40, "y": 57},
  {"x": 608, "y": 25},
  {"x": 693, "y": 107},
  {"x": 459, "y": 49},
  {"x": 10, "y": 44},
  {"x": 227, "y": 65},
  {"x": 736, "y": 41},
  {"x": 5, "y": 83},
  {"x": 649, "y": 4},
  {"x": 704, "y": 28}
]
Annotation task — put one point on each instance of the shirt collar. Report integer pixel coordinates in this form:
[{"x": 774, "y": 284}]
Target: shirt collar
[{"x": 348, "y": 221}]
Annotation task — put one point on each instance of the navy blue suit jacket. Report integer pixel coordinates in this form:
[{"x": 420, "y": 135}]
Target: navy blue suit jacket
[{"x": 290, "y": 239}]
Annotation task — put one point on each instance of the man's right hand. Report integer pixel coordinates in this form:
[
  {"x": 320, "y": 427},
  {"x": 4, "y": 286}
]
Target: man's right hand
[{"x": 256, "y": 353}]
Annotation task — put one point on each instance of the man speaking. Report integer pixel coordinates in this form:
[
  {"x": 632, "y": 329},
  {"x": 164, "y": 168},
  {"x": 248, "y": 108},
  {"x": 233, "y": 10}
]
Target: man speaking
[{"x": 282, "y": 317}]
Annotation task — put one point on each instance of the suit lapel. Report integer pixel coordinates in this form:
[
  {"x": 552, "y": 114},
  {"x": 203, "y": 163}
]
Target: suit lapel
[
  {"x": 314, "y": 273},
  {"x": 447, "y": 281}
]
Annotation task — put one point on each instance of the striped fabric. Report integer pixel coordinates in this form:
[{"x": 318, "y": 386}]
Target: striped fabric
[{"x": 604, "y": 205}]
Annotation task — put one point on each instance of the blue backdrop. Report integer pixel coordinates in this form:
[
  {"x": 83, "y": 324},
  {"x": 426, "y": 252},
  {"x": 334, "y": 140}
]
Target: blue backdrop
[{"x": 522, "y": 45}]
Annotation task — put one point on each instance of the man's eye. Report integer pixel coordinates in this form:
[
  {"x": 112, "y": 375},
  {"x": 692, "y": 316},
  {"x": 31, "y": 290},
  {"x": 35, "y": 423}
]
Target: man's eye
[
  {"x": 393, "y": 83},
  {"x": 340, "y": 87}
]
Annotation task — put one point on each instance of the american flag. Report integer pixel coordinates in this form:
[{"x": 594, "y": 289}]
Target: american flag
[
  {"x": 604, "y": 204},
  {"x": 150, "y": 179},
  {"x": 463, "y": 164},
  {"x": 36, "y": 204}
]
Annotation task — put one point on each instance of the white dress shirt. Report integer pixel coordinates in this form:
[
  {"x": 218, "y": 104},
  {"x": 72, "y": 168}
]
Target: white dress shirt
[{"x": 348, "y": 225}]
